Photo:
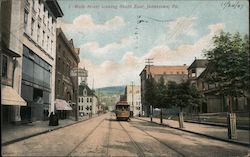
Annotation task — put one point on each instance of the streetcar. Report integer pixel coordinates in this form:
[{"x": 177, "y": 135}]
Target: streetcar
[{"x": 122, "y": 110}]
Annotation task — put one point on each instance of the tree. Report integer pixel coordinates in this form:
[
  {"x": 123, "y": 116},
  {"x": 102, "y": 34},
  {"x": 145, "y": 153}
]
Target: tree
[
  {"x": 150, "y": 92},
  {"x": 183, "y": 95},
  {"x": 230, "y": 61},
  {"x": 161, "y": 95}
]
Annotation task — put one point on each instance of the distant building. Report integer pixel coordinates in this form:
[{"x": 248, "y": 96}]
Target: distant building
[
  {"x": 169, "y": 73},
  {"x": 88, "y": 102},
  {"x": 67, "y": 58},
  {"x": 133, "y": 97}
]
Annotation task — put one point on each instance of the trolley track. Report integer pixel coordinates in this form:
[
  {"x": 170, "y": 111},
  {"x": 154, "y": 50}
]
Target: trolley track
[
  {"x": 86, "y": 137},
  {"x": 108, "y": 137},
  {"x": 139, "y": 149},
  {"x": 163, "y": 143}
]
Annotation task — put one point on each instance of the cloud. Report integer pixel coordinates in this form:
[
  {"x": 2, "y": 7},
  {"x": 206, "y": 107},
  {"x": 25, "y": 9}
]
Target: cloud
[
  {"x": 85, "y": 23},
  {"x": 182, "y": 25},
  {"x": 98, "y": 51},
  {"x": 122, "y": 72},
  {"x": 110, "y": 73},
  {"x": 185, "y": 53}
]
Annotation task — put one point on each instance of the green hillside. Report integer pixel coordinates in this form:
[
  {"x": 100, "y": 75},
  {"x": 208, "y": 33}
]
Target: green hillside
[{"x": 110, "y": 90}]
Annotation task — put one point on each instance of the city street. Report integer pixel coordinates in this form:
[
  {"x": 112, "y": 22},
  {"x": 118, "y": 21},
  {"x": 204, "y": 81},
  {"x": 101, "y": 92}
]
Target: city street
[{"x": 104, "y": 136}]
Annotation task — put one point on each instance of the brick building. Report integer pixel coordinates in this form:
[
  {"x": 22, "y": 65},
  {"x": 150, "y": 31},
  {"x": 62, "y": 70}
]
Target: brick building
[
  {"x": 67, "y": 58},
  {"x": 169, "y": 73}
]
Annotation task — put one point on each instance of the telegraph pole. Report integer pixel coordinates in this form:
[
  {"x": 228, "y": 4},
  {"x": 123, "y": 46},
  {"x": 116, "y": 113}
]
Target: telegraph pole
[
  {"x": 133, "y": 98},
  {"x": 77, "y": 94}
]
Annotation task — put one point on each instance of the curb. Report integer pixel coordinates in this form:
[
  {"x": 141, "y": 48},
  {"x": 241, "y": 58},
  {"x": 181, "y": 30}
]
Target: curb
[
  {"x": 43, "y": 132},
  {"x": 217, "y": 124},
  {"x": 208, "y": 136}
]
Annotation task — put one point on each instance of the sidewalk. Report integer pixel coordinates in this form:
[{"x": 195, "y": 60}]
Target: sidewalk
[
  {"x": 14, "y": 133},
  {"x": 211, "y": 131}
]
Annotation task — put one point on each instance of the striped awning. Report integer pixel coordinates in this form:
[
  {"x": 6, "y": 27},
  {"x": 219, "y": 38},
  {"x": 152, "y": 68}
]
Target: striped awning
[
  {"x": 62, "y": 105},
  {"x": 11, "y": 97}
]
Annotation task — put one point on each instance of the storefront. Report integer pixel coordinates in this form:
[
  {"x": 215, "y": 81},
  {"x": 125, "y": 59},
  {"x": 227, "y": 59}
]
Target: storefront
[
  {"x": 10, "y": 98},
  {"x": 63, "y": 109},
  {"x": 36, "y": 87}
]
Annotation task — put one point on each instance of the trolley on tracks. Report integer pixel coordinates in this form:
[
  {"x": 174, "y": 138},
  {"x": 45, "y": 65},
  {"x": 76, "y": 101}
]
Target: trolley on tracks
[{"x": 122, "y": 110}]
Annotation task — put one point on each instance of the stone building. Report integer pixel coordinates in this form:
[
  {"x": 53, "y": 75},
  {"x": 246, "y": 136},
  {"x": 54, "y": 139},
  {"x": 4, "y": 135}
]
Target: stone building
[
  {"x": 133, "y": 97},
  {"x": 67, "y": 58},
  {"x": 10, "y": 90},
  {"x": 33, "y": 35},
  {"x": 169, "y": 73},
  {"x": 88, "y": 102}
]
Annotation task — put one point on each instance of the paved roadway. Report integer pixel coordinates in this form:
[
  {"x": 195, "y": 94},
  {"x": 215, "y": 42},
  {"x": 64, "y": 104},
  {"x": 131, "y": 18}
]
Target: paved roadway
[{"x": 104, "y": 136}]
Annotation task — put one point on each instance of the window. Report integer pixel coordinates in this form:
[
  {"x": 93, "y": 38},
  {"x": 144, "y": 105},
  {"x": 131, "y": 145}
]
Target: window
[
  {"x": 82, "y": 99},
  {"x": 32, "y": 27},
  {"x": 79, "y": 99},
  {"x": 38, "y": 33},
  {"x": 87, "y": 99},
  {"x": 47, "y": 42},
  {"x": 58, "y": 86},
  {"x": 90, "y": 99},
  {"x": 79, "y": 107},
  {"x": 25, "y": 19},
  {"x": 4, "y": 66},
  {"x": 43, "y": 38},
  {"x": 51, "y": 46},
  {"x": 33, "y": 4}
]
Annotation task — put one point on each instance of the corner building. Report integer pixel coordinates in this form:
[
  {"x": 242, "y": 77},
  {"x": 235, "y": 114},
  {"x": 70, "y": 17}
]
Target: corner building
[{"x": 39, "y": 18}]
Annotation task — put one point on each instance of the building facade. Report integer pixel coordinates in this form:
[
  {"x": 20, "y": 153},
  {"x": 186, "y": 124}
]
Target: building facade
[
  {"x": 198, "y": 72},
  {"x": 214, "y": 101},
  {"x": 88, "y": 102},
  {"x": 195, "y": 70},
  {"x": 177, "y": 74},
  {"x": 67, "y": 58},
  {"x": 33, "y": 35},
  {"x": 10, "y": 56},
  {"x": 133, "y": 97}
]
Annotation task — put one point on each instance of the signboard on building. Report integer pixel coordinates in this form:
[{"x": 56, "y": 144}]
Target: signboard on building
[{"x": 81, "y": 72}]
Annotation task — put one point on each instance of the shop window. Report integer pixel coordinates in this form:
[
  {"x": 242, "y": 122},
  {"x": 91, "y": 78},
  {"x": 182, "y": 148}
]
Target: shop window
[{"x": 4, "y": 66}]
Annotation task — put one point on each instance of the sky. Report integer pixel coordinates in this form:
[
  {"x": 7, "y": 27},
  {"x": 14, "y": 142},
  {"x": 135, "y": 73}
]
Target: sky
[{"x": 116, "y": 36}]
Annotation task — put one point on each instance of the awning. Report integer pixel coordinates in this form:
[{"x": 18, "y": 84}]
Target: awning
[
  {"x": 11, "y": 97},
  {"x": 62, "y": 105}
]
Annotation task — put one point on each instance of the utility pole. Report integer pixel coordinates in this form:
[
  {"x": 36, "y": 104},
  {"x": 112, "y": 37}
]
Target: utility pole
[
  {"x": 132, "y": 98},
  {"x": 77, "y": 94}
]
